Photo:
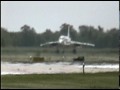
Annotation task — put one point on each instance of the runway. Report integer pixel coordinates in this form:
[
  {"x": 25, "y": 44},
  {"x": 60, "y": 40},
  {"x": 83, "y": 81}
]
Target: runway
[{"x": 56, "y": 67}]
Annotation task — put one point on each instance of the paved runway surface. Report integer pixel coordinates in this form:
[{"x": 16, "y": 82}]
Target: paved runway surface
[{"x": 55, "y": 67}]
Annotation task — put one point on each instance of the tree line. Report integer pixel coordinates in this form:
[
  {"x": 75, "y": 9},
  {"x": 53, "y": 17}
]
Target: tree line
[{"x": 27, "y": 36}]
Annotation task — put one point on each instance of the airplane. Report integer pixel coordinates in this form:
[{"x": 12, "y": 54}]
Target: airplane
[{"x": 66, "y": 41}]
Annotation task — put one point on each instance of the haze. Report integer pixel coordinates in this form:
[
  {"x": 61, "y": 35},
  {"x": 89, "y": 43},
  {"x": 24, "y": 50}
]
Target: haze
[{"x": 42, "y": 15}]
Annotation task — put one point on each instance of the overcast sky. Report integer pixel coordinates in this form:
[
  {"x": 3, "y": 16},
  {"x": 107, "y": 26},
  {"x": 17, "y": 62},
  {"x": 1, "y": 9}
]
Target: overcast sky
[{"x": 44, "y": 15}]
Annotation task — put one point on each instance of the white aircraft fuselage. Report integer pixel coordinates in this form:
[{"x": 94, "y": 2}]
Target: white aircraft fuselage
[{"x": 65, "y": 40}]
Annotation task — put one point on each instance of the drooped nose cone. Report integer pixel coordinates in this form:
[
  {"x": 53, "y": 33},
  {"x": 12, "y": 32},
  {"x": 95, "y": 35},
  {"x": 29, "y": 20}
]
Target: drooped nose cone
[{"x": 61, "y": 39}]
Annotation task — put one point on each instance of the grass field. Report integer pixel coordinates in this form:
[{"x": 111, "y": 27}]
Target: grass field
[
  {"x": 108, "y": 80},
  {"x": 73, "y": 80},
  {"x": 91, "y": 54}
]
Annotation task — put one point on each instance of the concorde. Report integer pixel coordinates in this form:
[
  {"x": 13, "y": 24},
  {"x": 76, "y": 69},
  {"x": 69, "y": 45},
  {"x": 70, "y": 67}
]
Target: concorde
[{"x": 66, "y": 40}]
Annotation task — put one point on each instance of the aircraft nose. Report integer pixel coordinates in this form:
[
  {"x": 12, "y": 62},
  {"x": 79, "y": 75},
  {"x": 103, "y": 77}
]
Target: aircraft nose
[{"x": 60, "y": 40}]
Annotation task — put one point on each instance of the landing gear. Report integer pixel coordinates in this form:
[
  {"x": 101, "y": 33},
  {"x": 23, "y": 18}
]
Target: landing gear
[
  {"x": 63, "y": 51},
  {"x": 74, "y": 51},
  {"x": 57, "y": 50},
  {"x": 60, "y": 50}
]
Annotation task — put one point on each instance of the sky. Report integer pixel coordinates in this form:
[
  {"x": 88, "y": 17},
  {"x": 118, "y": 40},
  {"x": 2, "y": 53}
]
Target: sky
[{"x": 42, "y": 15}]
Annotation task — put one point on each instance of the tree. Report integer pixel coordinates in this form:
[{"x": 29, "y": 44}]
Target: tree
[
  {"x": 112, "y": 38},
  {"x": 64, "y": 29},
  {"x": 5, "y": 38},
  {"x": 28, "y": 36},
  {"x": 48, "y": 35},
  {"x": 87, "y": 33}
]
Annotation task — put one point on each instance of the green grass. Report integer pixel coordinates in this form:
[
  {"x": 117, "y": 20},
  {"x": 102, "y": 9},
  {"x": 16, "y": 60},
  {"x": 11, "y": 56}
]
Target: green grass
[
  {"x": 67, "y": 81},
  {"x": 20, "y": 54}
]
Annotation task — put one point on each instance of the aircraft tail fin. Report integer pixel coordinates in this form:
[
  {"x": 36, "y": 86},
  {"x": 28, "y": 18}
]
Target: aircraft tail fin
[{"x": 68, "y": 31}]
